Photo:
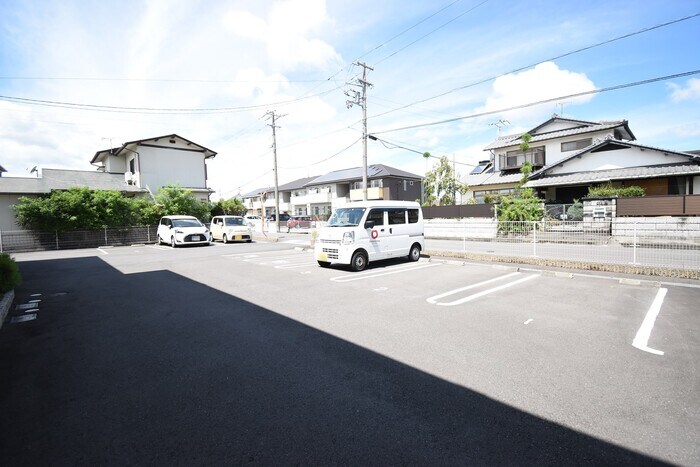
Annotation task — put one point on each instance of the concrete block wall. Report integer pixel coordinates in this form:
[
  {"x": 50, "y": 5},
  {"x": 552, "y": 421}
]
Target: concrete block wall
[
  {"x": 470, "y": 228},
  {"x": 680, "y": 228}
]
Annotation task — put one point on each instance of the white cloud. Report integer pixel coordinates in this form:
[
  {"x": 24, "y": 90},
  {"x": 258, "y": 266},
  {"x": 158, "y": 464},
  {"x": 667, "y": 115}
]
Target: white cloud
[
  {"x": 286, "y": 33},
  {"x": 545, "y": 81},
  {"x": 688, "y": 93}
]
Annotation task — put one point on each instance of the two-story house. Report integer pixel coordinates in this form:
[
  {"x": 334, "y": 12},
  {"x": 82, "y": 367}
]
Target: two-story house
[
  {"x": 155, "y": 162},
  {"x": 137, "y": 168},
  {"x": 319, "y": 195},
  {"x": 568, "y": 156}
]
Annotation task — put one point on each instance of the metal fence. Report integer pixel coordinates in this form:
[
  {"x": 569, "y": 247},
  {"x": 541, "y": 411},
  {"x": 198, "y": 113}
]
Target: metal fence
[
  {"x": 23, "y": 240},
  {"x": 662, "y": 243}
]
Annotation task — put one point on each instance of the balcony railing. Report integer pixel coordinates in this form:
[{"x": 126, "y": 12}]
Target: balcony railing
[{"x": 516, "y": 159}]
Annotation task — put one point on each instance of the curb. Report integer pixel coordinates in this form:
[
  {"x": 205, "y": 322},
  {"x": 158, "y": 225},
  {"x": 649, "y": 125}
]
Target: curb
[{"x": 5, "y": 305}]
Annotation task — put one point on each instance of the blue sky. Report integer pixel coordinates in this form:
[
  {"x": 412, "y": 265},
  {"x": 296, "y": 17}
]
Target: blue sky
[{"x": 295, "y": 57}]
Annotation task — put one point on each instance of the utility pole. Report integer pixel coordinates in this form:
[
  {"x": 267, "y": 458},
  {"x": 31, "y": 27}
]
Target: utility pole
[
  {"x": 361, "y": 99},
  {"x": 273, "y": 117}
]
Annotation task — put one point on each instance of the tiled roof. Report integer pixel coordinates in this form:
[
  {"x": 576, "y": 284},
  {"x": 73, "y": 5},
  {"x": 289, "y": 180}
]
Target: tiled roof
[
  {"x": 513, "y": 140},
  {"x": 492, "y": 178},
  {"x": 606, "y": 142},
  {"x": 373, "y": 171},
  {"x": 602, "y": 176},
  {"x": 57, "y": 179},
  {"x": 296, "y": 184}
]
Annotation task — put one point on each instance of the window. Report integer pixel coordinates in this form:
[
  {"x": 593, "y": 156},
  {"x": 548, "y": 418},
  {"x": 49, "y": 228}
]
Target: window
[
  {"x": 132, "y": 165},
  {"x": 576, "y": 145},
  {"x": 516, "y": 159},
  {"x": 376, "y": 215},
  {"x": 480, "y": 195},
  {"x": 397, "y": 216},
  {"x": 412, "y": 216},
  {"x": 405, "y": 185}
]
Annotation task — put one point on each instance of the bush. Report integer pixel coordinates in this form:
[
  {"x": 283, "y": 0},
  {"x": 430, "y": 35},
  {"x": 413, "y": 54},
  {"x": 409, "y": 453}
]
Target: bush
[
  {"x": 609, "y": 191},
  {"x": 9, "y": 273}
]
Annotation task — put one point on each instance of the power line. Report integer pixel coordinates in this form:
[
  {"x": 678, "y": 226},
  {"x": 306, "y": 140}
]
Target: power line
[
  {"x": 545, "y": 101},
  {"x": 148, "y": 110},
  {"x": 431, "y": 32},
  {"x": 156, "y": 80},
  {"x": 327, "y": 158},
  {"x": 486, "y": 80}
]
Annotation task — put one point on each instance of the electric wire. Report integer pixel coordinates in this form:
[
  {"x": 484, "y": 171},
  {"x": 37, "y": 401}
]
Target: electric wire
[
  {"x": 431, "y": 32},
  {"x": 149, "y": 110},
  {"x": 325, "y": 159},
  {"x": 545, "y": 101},
  {"x": 572, "y": 52}
]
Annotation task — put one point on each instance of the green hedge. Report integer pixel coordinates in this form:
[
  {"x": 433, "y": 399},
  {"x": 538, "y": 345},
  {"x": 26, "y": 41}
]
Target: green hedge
[
  {"x": 609, "y": 191},
  {"x": 9, "y": 274}
]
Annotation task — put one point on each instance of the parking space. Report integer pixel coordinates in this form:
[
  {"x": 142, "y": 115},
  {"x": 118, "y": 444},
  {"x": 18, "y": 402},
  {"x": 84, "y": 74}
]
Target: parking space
[{"x": 613, "y": 358}]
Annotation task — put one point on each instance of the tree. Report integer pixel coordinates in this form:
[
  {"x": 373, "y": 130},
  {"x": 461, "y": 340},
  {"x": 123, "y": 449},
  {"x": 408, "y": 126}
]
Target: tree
[
  {"x": 77, "y": 208},
  {"x": 441, "y": 184},
  {"x": 175, "y": 200},
  {"x": 523, "y": 205},
  {"x": 232, "y": 207}
]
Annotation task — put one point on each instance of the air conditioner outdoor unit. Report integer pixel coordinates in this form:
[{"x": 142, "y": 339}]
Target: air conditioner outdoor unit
[{"x": 129, "y": 178}]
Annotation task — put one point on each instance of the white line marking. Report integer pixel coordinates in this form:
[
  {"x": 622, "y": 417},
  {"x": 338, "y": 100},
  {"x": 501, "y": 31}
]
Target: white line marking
[
  {"x": 292, "y": 266},
  {"x": 435, "y": 298},
  {"x": 641, "y": 340},
  {"x": 528, "y": 321},
  {"x": 486, "y": 292},
  {"x": 159, "y": 247},
  {"x": 357, "y": 277},
  {"x": 102, "y": 251}
]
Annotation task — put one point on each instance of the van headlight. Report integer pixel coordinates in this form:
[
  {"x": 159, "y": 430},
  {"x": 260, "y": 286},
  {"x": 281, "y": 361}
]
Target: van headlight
[{"x": 348, "y": 238}]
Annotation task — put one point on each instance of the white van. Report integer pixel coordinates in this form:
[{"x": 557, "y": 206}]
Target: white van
[{"x": 362, "y": 232}]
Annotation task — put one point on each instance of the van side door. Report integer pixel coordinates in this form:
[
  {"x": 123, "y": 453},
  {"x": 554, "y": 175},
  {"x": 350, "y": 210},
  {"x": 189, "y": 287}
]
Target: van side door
[
  {"x": 376, "y": 247},
  {"x": 398, "y": 239}
]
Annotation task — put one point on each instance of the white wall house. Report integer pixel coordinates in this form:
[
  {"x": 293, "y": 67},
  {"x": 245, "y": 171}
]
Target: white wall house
[
  {"x": 137, "y": 168},
  {"x": 568, "y": 156},
  {"x": 156, "y": 162}
]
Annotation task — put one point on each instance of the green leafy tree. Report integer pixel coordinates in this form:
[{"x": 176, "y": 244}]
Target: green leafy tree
[
  {"x": 9, "y": 274},
  {"x": 175, "y": 200},
  {"x": 442, "y": 183},
  {"x": 231, "y": 207},
  {"x": 73, "y": 209},
  {"x": 523, "y": 205}
]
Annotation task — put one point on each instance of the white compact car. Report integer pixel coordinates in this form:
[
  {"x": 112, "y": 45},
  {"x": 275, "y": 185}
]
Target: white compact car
[
  {"x": 182, "y": 230},
  {"x": 230, "y": 228}
]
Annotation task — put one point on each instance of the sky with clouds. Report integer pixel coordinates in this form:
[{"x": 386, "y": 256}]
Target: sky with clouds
[{"x": 211, "y": 70}]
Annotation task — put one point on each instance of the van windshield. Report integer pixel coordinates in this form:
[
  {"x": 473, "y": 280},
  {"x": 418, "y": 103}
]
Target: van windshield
[{"x": 346, "y": 217}]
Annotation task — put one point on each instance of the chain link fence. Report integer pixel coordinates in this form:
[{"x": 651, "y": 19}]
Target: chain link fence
[
  {"x": 23, "y": 240},
  {"x": 653, "y": 242}
]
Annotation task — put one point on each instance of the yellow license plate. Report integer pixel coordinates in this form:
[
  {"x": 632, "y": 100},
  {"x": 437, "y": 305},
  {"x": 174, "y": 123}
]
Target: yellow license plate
[
  {"x": 239, "y": 237},
  {"x": 322, "y": 256}
]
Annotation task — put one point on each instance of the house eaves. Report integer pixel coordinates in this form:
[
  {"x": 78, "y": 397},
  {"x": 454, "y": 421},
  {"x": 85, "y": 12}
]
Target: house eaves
[
  {"x": 515, "y": 140},
  {"x": 603, "y": 145},
  {"x": 350, "y": 175},
  {"x": 99, "y": 155},
  {"x": 604, "y": 176}
]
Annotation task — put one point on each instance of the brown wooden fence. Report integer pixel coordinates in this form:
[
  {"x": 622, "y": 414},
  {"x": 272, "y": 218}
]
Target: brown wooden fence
[
  {"x": 458, "y": 212},
  {"x": 669, "y": 205}
]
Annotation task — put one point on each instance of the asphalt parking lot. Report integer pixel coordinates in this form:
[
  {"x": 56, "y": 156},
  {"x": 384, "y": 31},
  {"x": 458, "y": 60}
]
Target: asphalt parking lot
[{"x": 254, "y": 354}]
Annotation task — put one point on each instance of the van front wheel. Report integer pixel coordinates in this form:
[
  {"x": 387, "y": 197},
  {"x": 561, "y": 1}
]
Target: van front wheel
[
  {"x": 359, "y": 261},
  {"x": 414, "y": 254}
]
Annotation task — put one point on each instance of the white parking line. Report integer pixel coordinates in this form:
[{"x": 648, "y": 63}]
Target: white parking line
[
  {"x": 641, "y": 340},
  {"x": 159, "y": 247},
  {"x": 300, "y": 265},
  {"x": 469, "y": 298},
  {"x": 372, "y": 275},
  {"x": 102, "y": 251},
  {"x": 435, "y": 298}
]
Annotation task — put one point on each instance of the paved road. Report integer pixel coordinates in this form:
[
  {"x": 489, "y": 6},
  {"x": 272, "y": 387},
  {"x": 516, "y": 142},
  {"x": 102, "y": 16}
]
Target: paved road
[{"x": 252, "y": 354}]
